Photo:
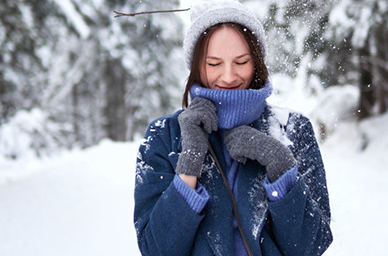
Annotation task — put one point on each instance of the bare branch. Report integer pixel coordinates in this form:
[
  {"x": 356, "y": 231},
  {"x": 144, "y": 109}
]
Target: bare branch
[{"x": 120, "y": 14}]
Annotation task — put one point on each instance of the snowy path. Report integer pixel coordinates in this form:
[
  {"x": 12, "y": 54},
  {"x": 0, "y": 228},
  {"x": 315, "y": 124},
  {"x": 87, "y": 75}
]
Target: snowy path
[
  {"x": 81, "y": 203},
  {"x": 359, "y": 209},
  {"x": 358, "y": 190}
]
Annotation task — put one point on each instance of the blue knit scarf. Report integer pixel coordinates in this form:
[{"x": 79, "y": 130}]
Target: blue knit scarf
[{"x": 235, "y": 107}]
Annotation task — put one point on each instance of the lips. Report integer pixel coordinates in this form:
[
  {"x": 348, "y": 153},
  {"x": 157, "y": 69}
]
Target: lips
[{"x": 229, "y": 88}]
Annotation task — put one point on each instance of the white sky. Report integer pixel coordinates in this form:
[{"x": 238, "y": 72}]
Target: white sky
[
  {"x": 186, "y": 3},
  {"x": 186, "y": 15}
]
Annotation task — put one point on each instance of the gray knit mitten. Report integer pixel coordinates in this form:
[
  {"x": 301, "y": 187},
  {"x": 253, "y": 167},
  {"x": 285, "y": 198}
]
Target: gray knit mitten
[
  {"x": 246, "y": 142},
  {"x": 196, "y": 122}
]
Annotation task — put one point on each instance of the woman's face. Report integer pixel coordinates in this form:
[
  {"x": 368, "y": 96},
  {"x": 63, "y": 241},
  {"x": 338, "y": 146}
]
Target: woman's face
[{"x": 228, "y": 63}]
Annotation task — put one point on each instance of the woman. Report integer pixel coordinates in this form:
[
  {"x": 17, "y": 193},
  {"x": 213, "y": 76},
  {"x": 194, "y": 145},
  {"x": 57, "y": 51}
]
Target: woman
[{"x": 269, "y": 158}]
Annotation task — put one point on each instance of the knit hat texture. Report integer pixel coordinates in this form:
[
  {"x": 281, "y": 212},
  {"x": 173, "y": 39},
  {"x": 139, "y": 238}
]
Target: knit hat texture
[{"x": 207, "y": 13}]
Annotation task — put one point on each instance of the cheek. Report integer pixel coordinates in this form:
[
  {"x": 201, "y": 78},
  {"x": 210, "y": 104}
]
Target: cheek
[
  {"x": 208, "y": 77},
  {"x": 203, "y": 76},
  {"x": 248, "y": 74},
  {"x": 211, "y": 77}
]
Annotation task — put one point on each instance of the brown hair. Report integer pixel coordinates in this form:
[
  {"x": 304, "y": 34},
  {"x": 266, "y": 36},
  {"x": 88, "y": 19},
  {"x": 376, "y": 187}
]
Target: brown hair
[{"x": 260, "y": 69}]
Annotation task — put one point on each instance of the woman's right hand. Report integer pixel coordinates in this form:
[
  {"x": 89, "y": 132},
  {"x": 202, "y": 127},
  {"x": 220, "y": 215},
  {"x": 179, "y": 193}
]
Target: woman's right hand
[{"x": 196, "y": 123}]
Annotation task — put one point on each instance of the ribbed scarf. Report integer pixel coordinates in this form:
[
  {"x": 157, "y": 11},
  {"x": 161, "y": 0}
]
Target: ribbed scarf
[{"x": 235, "y": 107}]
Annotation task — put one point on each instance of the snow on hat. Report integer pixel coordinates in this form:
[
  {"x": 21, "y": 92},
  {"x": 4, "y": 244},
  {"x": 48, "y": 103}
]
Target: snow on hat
[{"x": 208, "y": 13}]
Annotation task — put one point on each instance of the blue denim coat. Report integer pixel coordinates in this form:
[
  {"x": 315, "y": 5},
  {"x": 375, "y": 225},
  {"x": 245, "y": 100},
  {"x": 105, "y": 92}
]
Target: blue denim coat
[{"x": 296, "y": 225}]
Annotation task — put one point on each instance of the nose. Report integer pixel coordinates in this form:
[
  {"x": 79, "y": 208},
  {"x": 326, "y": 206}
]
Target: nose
[{"x": 229, "y": 76}]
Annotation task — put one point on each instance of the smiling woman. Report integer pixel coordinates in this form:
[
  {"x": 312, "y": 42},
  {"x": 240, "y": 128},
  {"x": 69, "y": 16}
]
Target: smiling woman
[
  {"x": 214, "y": 179},
  {"x": 227, "y": 62},
  {"x": 248, "y": 40}
]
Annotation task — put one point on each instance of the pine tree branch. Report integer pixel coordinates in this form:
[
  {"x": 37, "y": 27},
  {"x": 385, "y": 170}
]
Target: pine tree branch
[
  {"x": 304, "y": 3},
  {"x": 120, "y": 14}
]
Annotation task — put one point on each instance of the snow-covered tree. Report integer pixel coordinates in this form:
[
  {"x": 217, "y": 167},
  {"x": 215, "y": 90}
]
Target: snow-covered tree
[
  {"x": 91, "y": 74},
  {"x": 364, "y": 24},
  {"x": 337, "y": 41}
]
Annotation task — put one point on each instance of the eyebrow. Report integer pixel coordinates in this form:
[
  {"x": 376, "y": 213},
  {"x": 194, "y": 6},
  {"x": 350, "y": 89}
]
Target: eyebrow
[{"x": 217, "y": 58}]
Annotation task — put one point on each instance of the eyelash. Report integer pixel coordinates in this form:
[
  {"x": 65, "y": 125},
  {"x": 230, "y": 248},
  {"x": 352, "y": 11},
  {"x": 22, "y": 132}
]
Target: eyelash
[
  {"x": 242, "y": 63},
  {"x": 238, "y": 63}
]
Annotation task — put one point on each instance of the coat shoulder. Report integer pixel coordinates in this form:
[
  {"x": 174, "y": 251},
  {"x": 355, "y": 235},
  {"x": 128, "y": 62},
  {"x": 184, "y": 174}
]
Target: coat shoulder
[
  {"x": 284, "y": 124},
  {"x": 163, "y": 126},
  {"x": 162, "y": 136},
  {"x": 166, "y": 120},
  {"x": 285, "y": 116}
]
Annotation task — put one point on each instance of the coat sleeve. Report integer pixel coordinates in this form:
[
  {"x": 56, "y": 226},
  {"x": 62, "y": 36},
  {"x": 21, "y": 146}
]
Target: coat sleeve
[
  {"x": 164, "y": 222},
  {"x": 301, "y": 220}
]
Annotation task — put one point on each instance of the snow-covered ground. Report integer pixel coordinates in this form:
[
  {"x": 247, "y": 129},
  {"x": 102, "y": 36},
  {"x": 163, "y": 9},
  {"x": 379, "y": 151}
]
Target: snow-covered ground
[
  {"x": 81, "y": 202},
  {"x": 77, "y": 203},
  {"x": 358, "y": 186}
]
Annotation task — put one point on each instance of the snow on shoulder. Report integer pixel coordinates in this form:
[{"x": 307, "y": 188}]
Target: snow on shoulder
[{"x": 277, "y": 124}]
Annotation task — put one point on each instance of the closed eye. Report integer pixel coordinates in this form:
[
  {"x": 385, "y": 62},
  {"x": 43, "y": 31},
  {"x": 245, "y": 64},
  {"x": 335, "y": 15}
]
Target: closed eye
[
  {"x": 242, "y": 63},
  {"x": 213, "y": 64}
]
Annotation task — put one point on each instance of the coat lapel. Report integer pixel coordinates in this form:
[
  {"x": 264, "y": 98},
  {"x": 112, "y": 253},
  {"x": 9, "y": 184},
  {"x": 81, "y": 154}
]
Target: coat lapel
[
  {"x": 218, "y": 222},
  {"x": 251, "y": 195},
  {"x": 251, "y": 202},
  {"x": 251, "y": 198}
]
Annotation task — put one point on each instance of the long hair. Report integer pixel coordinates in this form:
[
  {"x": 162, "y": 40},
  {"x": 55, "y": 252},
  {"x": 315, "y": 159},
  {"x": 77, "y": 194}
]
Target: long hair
[{"x": 260, "y": 69}]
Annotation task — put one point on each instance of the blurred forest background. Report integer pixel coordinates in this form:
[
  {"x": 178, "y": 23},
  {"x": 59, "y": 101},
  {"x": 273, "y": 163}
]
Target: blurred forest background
[{"x": 71, "y": 74}]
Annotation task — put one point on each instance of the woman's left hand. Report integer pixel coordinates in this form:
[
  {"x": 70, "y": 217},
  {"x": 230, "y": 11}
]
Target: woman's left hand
[{"x": 246, "y": 142}]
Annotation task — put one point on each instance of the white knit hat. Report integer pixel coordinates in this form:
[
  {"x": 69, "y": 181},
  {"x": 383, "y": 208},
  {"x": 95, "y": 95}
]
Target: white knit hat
[{"x": 208, "y": 13}]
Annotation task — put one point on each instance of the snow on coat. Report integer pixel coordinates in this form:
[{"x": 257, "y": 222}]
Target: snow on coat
[{"x": 296, "y": 225}]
